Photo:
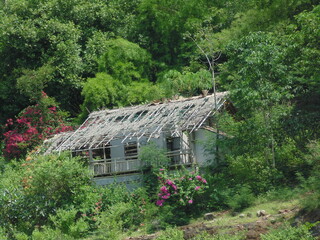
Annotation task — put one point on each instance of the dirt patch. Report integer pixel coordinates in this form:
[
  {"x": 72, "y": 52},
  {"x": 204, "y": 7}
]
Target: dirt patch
[{"x": 143, "y": 237}]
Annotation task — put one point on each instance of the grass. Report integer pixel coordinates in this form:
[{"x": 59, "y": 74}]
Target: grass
[{"x": 226, "y": 222}]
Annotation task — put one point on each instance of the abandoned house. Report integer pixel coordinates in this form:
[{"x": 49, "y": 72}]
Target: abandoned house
[{"x": 111, "y": 139}]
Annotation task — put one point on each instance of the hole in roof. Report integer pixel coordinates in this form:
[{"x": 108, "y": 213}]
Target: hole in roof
[
  {"x": 121, "y": 118},
  {"x": 186, "y": 109},
  {"x": 139, "y": 115}
]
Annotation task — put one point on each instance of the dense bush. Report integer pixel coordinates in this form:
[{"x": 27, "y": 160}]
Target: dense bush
[
  {"x": 153, "y": 159},
  {"x": 311, "y": 184},
  {"x": 217, "y": 193},
  {"x": 171, "y": 234},
  {"x": 36, "y": 188},
  {"x": 65, "y": 225},
  {"x": 290, "y": 233},
  {"x": 240, "y": 197}
]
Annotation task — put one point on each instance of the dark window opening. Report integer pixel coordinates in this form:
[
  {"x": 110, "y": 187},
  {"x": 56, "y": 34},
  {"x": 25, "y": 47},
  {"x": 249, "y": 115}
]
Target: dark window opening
[
  {"x": 101, "y": 153},
  {"x": 173, "y": 147},
  {"x": 84, "y": 154},
  {"x": 131, "y": 150},
  {"x": 97, "y": 153}
]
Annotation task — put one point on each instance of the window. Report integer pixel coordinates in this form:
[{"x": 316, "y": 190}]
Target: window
[
  {"x": 97, "y": 153},
  {"x": 173, "y": 147},
  {"x": 81, "y": 153},
  {"x": 131, "y": 150},
  {"x": 101, "y": 153}
]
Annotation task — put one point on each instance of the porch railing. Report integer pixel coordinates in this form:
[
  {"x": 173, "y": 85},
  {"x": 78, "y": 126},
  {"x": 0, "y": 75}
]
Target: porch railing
[{"x": 115, "y": 166}]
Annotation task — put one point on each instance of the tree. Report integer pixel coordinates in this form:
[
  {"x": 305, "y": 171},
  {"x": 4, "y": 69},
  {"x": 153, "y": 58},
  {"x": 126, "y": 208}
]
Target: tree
[
  {"x": 125, "y": 61},
  {"x": 185, "y": 83},
  {"x": 161, "y": 25},
  {"x": 259, "y": 83},
  {"x": 37, "y": 34},
  {"x": 123, "y": 78}
]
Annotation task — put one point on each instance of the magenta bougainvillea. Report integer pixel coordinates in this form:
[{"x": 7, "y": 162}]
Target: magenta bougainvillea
[
  {"x": 31, "y": 127},
  {"x": 179, "y": 187}
]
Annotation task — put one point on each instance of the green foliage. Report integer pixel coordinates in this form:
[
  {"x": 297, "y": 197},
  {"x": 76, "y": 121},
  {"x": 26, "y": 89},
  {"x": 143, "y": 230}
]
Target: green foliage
[
  {"x": 125, "y": 61},
  {"x": 218, "y": 191},
  {"x": 278, "y": 194},
  {"x": 171, "y": 234},
  {"x": 163, "y": 23},
  {"x": 10, "y": 198},
  {"x": 303, "y": 51},
  {"x": 240, "y": 18},
  {"x": 125, "y": 71},
  {"x": 96, "y": 46},
  {"x": 268, "y": 160},
  {"x": 102, "y": 91},
  {"x": 159, "y": 219},
  {"x": 118, "y": 218},
  {"x": 2, "y": 164},
  {"x": 36, "y": 34},
  {"x": 106, "y": 91},
  {"x": 49, "y": 233},
  {"x": 290, "y": 233},
  {"x": 33, "y": 82},
  {"x": 185, "y": 83},
  {"x": 66, "y": 221},
  {"x": 54, "y": 178},
  {"x": 256, "y": 73},
  {"x": 119, "y": 211},
  {"x": 133, "y": 52},
  {"x": 207, "y": 236},
  {"x": 38, "y": 188},
  {"x": 241, "y": 198},
  {"x": 154, "y": 158},
  {"x": 35, "y": 43},
  {"x": 143, "y": 92},
  {"x": 311, "y": 185},
  {"x": 253, "y": 171},
  {"x": 2, "y": 234}
]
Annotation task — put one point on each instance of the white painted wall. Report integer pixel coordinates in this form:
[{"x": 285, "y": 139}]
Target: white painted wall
[
  {"x": 199, "y": 139},
  {"x": 117, "y": 149}
]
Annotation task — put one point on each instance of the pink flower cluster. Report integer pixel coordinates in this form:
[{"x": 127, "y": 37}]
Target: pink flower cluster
[
  {"x": 32, "y": 126},
  {"x": 201, "y": 179},
  {"x": 165, "y": 192},
  {"x": 181, "y": 189}
]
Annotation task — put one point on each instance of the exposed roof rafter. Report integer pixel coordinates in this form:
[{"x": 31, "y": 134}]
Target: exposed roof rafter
[{"x": 188, "y": 114}]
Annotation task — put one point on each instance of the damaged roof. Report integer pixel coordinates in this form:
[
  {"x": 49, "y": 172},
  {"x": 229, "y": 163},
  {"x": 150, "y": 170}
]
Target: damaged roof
[{"x": 172, "y": 117}]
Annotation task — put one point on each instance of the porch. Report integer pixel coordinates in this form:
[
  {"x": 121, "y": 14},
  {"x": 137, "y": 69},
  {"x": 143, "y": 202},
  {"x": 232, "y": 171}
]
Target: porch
[{"x": 131, "y": 164}]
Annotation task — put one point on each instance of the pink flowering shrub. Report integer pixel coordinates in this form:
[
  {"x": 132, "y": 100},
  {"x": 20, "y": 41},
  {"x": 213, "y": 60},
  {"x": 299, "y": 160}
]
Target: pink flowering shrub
[
  {"x": 179, "y": 188},
  {"x": 31, "y": 127}
]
